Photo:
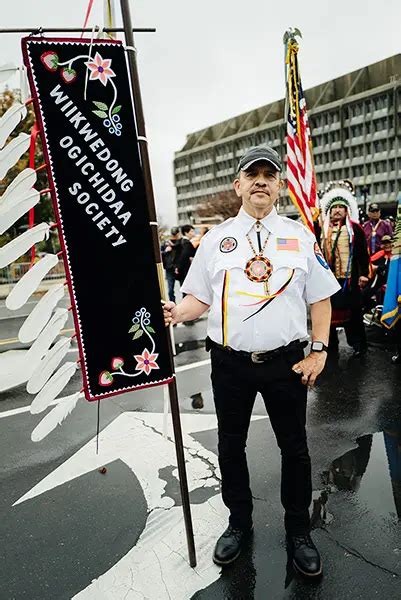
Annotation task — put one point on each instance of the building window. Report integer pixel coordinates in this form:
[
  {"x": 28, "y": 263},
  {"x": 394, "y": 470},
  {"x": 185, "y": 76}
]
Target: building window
[{"x": 379, "y": 102}]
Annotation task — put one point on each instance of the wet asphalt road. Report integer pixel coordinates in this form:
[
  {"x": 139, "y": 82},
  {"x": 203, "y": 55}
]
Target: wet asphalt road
[{"x": 54, "y": 545}]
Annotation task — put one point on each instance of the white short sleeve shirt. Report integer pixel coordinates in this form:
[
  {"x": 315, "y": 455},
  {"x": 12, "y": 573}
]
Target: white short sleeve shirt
[{"x": 248, "y": 315}]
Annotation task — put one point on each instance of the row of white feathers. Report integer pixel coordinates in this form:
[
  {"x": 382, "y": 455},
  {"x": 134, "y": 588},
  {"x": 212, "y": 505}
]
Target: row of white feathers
[{"x": 44, "y": 324}]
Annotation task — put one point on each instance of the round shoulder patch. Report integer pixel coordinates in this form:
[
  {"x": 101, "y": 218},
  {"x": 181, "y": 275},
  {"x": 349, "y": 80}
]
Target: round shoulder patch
[
  {"x": 319, "y": 256},
  {"x": 228, "y": 244}
]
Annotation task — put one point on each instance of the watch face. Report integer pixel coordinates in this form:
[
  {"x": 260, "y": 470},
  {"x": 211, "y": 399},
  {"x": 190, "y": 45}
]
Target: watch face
[{"x": 317, "y": 346}]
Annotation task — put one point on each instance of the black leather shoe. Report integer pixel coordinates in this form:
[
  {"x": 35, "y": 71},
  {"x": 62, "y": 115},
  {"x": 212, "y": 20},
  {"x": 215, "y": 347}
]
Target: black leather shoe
[
  {"x": 305, "y": 555},
  {"x": 229, "y": 545}
]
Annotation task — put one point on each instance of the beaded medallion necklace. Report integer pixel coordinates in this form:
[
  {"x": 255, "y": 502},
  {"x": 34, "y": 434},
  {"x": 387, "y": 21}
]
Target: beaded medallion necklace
[{"x": 258, "y": 268}]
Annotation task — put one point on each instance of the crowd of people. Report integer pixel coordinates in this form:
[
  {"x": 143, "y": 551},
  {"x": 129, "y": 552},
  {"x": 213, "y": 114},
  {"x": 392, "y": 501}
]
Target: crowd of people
[
  {"x": 177, "y": 252},
  {"x": 358, "y": 255}
]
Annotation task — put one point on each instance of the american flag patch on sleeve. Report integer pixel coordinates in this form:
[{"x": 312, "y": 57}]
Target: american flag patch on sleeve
[{"x": 291, "y": 244}]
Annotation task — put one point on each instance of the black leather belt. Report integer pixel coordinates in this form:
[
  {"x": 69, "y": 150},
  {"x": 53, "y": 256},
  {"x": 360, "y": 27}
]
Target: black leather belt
[{"x": 257, "y": 357}]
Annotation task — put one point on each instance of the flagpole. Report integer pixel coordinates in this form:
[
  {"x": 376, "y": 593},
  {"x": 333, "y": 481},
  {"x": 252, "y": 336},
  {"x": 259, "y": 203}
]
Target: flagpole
[
  {"x": 288, "y": 36},
  {"x": 285, "y": 42},
  {"x": 172, "y": 387}
]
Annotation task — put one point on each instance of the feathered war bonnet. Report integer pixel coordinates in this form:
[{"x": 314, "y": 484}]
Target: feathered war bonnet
[{"x": 339, "y": 193}]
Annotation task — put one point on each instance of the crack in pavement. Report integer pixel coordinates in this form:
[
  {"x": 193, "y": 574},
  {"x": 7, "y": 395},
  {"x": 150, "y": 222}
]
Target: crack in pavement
[
  {"x": 191, "y": 451},
  {"x": 358, "y": 554},
  {"x": 153, "y": 429},
  {"x": 161, "y": 574},
  {"x": 206, "y": 461},
  {"x": 181, "y": 556},
  {"x": 132, "y": 589}
]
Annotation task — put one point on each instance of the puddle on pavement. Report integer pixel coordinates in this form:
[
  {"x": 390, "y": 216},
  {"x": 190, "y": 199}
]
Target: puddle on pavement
[
  {"x": 370, "y": 474},
  {"x": 189, "y": 345}
]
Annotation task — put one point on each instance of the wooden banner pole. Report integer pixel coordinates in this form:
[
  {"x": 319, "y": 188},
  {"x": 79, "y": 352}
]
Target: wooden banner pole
[
  {"x": 143, "y": 146},
  {"x": 40, "y": 30}
]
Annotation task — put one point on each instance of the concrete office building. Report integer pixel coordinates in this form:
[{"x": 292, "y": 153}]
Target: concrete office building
[{"x": 356, "y": 129}]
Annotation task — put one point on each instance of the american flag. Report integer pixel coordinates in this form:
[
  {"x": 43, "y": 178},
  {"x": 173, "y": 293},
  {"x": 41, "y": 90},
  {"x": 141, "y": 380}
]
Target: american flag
[
  {"x": 301, "y": 180},
  {"x": 288, "y": 244}
]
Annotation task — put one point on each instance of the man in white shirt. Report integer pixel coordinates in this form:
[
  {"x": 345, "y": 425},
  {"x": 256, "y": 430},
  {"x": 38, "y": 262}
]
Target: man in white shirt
[{"x": 257, "y": 272}]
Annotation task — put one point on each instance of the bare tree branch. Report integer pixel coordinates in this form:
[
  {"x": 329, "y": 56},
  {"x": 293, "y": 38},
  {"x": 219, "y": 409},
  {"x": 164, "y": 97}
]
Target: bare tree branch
[{"x": 224, "y": 204}]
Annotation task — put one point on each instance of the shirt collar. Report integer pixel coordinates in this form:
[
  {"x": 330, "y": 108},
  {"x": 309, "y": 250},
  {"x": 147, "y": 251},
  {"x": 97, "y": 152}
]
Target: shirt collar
[{"x": 246, "y": 222}]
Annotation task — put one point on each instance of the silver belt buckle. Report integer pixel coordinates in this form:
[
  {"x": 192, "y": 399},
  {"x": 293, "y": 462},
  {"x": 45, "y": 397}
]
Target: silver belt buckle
[{"x": 255, "y": 357}]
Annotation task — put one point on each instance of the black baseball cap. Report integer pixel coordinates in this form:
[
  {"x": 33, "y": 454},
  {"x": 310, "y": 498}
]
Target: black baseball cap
[
  {"x": 374, "y": 206},
  {"x": 259, "y": 153},
  {"x": 175, "y": 230}
]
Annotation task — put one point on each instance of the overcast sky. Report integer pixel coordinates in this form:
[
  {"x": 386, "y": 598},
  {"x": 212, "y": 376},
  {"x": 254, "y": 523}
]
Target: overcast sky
[{"x": 213, "y": 59}]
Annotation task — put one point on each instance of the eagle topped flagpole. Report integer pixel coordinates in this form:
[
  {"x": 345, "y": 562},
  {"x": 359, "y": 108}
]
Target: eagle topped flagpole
[{"x": 301, "y": 179}]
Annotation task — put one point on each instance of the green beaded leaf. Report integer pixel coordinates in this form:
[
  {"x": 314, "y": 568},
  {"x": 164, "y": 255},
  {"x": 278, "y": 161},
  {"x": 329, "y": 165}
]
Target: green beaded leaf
[
  {"x": 138, "y": 334},
  {"x": 134, "y": 328},
  {"x": 100, "y": 105},
  {"x": 150, "y": 329},
  {"x": 116, "y": 109},
  {"x": 100, "y": 113}
]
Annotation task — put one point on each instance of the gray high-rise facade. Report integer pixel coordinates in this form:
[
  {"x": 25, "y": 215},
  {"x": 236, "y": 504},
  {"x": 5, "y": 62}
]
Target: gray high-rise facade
[{"x": 356, "y": 129}]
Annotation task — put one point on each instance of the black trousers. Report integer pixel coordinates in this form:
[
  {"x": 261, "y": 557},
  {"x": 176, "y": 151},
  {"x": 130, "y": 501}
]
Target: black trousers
[
  {"x": 171, "y": 279},
  {"x": 354, "y": 329},
  {"x": 349, "y": 298},
  {"x": 236, "y": 381}
]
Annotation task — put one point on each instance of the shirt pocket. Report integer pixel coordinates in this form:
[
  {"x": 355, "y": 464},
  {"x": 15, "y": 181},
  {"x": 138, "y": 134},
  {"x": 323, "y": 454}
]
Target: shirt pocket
[
  {"x": 227, "y": 263},
  {"x": 285, "y": 267},
  {"x": 290, "y": 262}
]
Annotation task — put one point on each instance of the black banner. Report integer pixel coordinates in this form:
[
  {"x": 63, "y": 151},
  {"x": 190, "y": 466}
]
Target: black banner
[{"x": 83, "y": 105}]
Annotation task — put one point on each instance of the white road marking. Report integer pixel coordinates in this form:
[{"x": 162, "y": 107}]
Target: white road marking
[
  {"x": 14, "y": 411},
  {"x": 11, "y": 314},
  {"x": 24, "y": 409},
  {"x": 157, "y": 567},
  {"x": 3, "y": 304},
  {"x": 195, "y": 365}
]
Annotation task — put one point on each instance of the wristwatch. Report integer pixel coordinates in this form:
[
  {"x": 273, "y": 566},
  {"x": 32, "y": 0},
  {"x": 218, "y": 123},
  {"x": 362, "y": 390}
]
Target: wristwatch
[{"x": 318, "y": 347}]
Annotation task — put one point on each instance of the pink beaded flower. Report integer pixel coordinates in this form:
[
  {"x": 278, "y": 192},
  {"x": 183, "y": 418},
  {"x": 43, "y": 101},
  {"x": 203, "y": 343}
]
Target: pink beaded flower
[
  {"x": 146, "y": 361},
  {"x": 100, "y": 69}
]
